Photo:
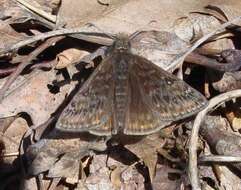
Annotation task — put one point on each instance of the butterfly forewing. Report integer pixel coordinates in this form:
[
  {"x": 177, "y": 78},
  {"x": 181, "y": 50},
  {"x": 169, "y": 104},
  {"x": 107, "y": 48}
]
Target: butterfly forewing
[
  {"x": 141, "y": 119},
  {"x": 90, "y": 109},
  {"x": 167, "y": 96}
]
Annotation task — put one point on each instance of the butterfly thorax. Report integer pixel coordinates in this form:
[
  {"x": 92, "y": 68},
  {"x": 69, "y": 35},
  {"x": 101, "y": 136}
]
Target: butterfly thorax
[{"x": 121, "y": 45}]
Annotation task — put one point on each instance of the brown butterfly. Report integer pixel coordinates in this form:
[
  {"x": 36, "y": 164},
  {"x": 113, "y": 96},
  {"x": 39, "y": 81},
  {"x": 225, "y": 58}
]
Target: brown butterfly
[{"x": 128, "y": 94}]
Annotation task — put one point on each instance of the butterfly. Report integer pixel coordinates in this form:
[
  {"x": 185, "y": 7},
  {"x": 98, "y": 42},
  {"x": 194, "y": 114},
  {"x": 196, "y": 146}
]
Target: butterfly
[{"x": 128, "y": 94}]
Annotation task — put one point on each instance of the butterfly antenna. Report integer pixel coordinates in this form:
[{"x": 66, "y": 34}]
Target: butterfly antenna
[
  {"x": 109, "y": 35},
  {"x": 135, "y": 34}
]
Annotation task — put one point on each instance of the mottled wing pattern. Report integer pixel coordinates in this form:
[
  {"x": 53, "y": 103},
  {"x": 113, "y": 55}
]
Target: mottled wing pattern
[
  {"x": 141, "y": 119},
  {"x": 169, "y": 98},
  {"x": 90, "y": 109}
]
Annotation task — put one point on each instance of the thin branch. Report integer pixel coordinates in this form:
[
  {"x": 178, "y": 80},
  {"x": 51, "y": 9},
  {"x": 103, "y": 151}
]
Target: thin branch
[
  {"x": 219, "y": 158},
  {"x": 81, "y": 31},
  {"x": 30, "y": 7},
  {"x": 211, "y": 63},
  {"x": 7, "y": 71},
  {"x": 10, "y": 154},
  {"x": 214, "y": 102}
]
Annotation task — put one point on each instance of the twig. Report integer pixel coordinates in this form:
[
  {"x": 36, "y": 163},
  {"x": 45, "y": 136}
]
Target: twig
[
  {"x": 193, "y": 171},
  {"x": 219, "y": 158},
  {"x": 206, "y": 87},
  {"x": 81, "y": 31},
  {"x": 10, "y": 154},
  {"x": 181, "y": 58},
  {"x": 26, "y": 62},
  {"x": 27, "y": 5},
  {"x": 7, "y": 71},
  {"x": 44, "y": 65},
  {"x": 211, "y": 63}
]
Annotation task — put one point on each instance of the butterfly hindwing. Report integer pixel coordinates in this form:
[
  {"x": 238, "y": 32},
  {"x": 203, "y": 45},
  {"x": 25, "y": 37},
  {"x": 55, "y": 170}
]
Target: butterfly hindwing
[{"x": 90, "y": 109}]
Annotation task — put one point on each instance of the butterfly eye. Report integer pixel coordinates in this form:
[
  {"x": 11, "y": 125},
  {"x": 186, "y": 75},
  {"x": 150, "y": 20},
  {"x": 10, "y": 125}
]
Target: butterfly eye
[
  {"x": 122, "y": 44},
  {"x": 188, "y": 90},
  {"x": 73, "y": 104}
]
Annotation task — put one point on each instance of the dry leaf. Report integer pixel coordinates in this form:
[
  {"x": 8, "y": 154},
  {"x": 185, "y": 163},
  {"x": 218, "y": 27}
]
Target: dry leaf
[
  {"x": 146, "y": 150},
  {"x": 162, "y": 179},
  {"x": 229, "y": 9},
  {"x": 195, "y": 26},
  {"x": 5, "y": 123},
  {"x": 8, "y": 36},
  {"x": 224, "y": 82},
  {"x": 236, "y": 124},
  {"x": 125, "y": 16},
  {"x": 160, "y": 47},
  {"x": 45, "y": 156},
  {"x": 228, "y": 179},
  {"x": 99, "y": 177},
  {"x": 13, "y": 12},
  {"x": 68, "y": 166},
  {"x": 70, "y": 15},
  {"x": 115, "y": 177},
  {"x": 69, "y": 56},
  {"x": 36, "y": 98},
  {"x": 11, "y": 139}
]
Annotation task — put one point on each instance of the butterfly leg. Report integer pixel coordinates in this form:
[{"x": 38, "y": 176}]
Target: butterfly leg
[{"x": 99, "y": 145}]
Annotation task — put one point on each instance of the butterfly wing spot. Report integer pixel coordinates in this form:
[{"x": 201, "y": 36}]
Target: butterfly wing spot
[{"x": 187, "y": 90}]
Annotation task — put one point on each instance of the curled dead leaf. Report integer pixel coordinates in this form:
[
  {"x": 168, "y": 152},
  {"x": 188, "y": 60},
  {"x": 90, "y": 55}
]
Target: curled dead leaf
[{"x": 69, "y": 56}]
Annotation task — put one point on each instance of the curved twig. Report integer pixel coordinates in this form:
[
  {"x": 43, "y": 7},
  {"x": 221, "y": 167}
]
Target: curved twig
[
  {"x": 214, "y": 102},
  {"x": 211, "y": 63}
]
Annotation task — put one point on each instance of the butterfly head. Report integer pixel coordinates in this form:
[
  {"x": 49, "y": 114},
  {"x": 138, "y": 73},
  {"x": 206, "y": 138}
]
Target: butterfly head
[{"x": 122, "y": 43}]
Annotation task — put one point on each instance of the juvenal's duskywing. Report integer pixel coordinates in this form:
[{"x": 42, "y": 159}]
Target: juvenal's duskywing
[{"x": 130, "y": 95}]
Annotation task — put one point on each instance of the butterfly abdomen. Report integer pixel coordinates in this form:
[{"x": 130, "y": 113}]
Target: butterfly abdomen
[{"x": 121, "y": 78}]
